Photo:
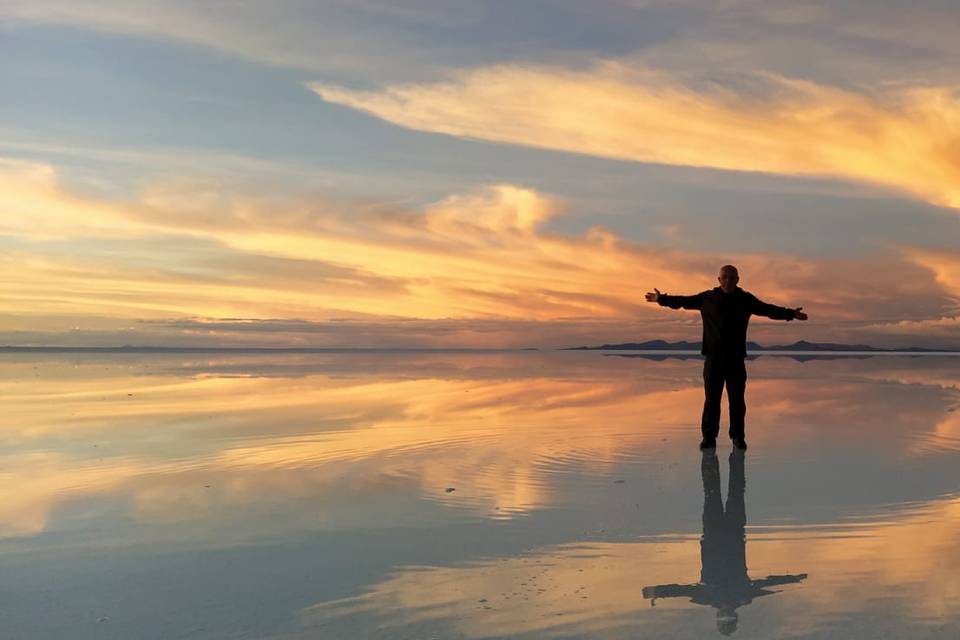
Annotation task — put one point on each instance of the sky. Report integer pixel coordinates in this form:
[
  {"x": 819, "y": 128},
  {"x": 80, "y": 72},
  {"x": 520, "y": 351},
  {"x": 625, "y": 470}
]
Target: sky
[{"x": 491, "y": 174}]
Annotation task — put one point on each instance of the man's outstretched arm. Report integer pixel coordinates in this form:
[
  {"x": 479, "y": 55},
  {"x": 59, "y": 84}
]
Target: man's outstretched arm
[
  {"x": 676, "y": 302},
  {"x": 776, "y": 581},
  {"x": 672, "y": 591},
  {"x": 760, "y": 308}
]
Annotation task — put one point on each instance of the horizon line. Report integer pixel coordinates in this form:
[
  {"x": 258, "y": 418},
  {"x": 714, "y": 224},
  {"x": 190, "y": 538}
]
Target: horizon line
[{"x": 238, "y": 349}]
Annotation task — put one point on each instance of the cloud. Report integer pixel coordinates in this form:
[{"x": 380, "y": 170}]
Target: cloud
[
  {"x": 419, "y": 38},
  {"x": 478, "y": 254},
  {"x": 945, "y": 265},
  {"x": 902, "y": 140},
  {"x": 945, "y": 327},
  {"x": 479, "y": 268},
  {"x": 341, "y": 37}
]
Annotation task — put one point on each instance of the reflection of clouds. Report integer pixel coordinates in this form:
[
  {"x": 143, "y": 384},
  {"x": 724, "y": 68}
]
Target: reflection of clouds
[
  {"x": 495, "y": 441},
  {"x": 915, "y": 371},
  {"x": 298, "y": 437},
  {"x": 42, "y": 480},
  {"x": 571, "y": 588},
  {"x": 945, "y": 435},
  {"x": 502, "y": 429},
  {"x": 893, "y": 414},
  {"x": 910, "y": 560},
  {"x": 906, "y": 566}
]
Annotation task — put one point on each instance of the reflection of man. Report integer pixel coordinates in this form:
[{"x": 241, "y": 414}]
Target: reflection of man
[
  {"x": 724, "y": 583},
  {"x": 726, "y": 311}
]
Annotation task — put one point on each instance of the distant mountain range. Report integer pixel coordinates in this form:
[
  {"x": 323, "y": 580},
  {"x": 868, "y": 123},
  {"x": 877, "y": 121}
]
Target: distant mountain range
[{"x": 800, "y": 345}]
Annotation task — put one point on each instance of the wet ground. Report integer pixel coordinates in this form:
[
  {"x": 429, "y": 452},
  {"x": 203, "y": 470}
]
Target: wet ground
[{"x": 512, "y": 495}]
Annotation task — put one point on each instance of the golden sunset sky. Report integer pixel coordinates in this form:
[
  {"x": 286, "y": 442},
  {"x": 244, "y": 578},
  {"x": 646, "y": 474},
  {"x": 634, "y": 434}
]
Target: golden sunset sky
[{"x": 364, "y": 173}]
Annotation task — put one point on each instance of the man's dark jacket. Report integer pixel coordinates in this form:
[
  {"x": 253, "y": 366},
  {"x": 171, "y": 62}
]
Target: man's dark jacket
[{"x": 725, "y": 318}]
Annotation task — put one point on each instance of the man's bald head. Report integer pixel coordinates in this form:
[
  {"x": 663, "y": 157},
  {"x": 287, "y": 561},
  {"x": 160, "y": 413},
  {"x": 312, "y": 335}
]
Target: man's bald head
[{"x": 729, "y": 277}]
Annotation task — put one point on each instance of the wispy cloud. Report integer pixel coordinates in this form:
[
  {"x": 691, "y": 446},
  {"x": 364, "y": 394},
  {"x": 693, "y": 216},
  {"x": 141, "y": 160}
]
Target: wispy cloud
[
  {"x": 479, "y": 268},
  {"x": 902, "y": 139},
  {"x": 944, "y": 264},
  {"x": 418, "y": 38}
]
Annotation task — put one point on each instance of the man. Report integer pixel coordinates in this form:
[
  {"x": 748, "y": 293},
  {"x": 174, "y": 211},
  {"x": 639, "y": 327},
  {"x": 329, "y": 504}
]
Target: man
[
  {"x": 725, "y": 310},
  {"x": 724, "y": 581}
]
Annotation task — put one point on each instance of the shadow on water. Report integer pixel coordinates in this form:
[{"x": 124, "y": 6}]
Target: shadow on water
[{"x": 724, "y": 582}]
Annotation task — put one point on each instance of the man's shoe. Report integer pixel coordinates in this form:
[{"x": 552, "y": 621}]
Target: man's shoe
[
  {"x": 708, "y": 443},
  {"x": 740, "y": 443}
]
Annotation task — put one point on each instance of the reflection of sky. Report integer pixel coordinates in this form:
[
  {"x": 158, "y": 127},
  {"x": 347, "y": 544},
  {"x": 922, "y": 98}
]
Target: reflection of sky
[
  {"x": 336, "y": 161},
  {"x": 316, "y": 486}
]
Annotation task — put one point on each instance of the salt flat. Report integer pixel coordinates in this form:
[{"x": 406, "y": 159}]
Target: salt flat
[{"x": 485, "y": 495}]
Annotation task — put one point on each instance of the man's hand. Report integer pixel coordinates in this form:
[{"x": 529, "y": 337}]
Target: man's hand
[
  {"x": 797, "y": 313},
  {"x": 655, "y": 296}
]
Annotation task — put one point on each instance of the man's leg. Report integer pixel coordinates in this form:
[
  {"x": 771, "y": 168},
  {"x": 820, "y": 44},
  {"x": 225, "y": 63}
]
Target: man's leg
[
  {"x": 713, "y": 392},
  {"x": 735, "y": 520},
  {"x": 736, "y": 377},
  {"x": 713, "y": 547}
]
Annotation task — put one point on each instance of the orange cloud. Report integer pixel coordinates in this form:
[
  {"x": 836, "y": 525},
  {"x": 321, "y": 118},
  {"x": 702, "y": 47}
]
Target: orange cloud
[
  {"x": 471, "y": 255},
  {"x": 903, "y": 140},
  {"x": 945, "y": 266},
  {"x": 190, "y": 250},
  {"x": 945, "y": 327}
]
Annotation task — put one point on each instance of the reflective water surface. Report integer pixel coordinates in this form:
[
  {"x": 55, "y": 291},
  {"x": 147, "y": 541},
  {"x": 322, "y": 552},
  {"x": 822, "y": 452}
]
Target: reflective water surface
[{"x": 497, "y": 495}]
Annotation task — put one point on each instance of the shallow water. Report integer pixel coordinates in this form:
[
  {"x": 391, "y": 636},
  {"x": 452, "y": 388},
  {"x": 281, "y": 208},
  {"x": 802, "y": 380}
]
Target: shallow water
[{"x": 508, "y": 495}]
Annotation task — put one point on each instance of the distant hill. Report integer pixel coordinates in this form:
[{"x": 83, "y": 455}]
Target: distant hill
[
  {"x": 803, "y": 345},
  {"x": 800, "y": 345}
]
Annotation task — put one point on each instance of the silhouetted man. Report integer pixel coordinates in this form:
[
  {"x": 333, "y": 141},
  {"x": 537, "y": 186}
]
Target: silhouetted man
[
  {"x": 726, "y": 311},
  {"x": 724, "y": 583}
]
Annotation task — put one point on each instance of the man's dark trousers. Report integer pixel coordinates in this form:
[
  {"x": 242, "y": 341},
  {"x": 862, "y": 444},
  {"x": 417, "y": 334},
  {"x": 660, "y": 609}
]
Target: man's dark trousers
[{"x": 720, "y": 370}]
